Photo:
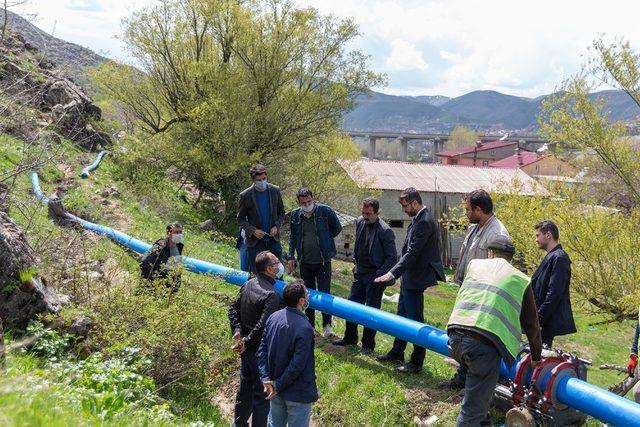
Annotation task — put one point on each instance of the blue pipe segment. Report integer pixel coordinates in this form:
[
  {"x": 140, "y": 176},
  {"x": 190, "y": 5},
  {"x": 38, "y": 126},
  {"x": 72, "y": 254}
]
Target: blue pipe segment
[
  {"x": 93, "y": 166},
  {"x": 578, "y": 394}
]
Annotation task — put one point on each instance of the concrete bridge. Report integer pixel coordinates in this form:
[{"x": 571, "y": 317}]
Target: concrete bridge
[{"x": 439, "y": 141}]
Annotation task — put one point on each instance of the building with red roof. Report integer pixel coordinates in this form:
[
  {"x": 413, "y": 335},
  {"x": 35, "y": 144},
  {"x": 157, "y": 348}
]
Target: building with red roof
[
  {"x": 534, "y": 164},
  {"x": 481, "y": 154}
]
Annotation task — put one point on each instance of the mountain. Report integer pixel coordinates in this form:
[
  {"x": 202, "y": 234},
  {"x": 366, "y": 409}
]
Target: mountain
[
  {"x": 70, "y": 57},
  {"x": 378, "y": 111},
  {"x": 491, "y": 108},
  {"x": 435, "y": 100},
  {"x": 483, "y": 110}
]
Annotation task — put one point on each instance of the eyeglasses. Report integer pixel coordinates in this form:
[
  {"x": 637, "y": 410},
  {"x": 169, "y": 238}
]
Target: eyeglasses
[{"x": 404, "y": 205}]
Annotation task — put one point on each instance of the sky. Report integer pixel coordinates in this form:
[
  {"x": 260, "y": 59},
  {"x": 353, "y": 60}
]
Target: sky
[{"x": 425, "y": 47}]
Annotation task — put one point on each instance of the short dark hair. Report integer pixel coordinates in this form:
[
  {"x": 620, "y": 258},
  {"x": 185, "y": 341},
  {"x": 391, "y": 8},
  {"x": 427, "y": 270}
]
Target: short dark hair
[
  {"x": 173, "y": 225},
  {"x": 370, "y": 202},
  {"x": 481, "y": 199},
  {"x": 257, "y": 170},
  {"x": 262, "y": 261},
  {"x": 293, "y": 292},
  {"x": 409, "y": 195},
  {"x": 548, "y": 226},
  {"x": 304, "y": 192}
]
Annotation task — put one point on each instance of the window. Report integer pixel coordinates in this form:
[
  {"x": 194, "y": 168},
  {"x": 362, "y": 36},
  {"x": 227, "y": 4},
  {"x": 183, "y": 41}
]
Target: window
[
  {"x": 485, "y": 163},
  {"x": 453, "y": 161},
  {"x": 493, "y": 152},
  {"x": 396, "y": 223},
  {"x": 537, "y": 168}
]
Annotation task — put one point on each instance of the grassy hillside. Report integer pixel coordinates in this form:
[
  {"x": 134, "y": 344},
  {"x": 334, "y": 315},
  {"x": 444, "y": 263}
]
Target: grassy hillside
[{"x": 186, "y": 338}]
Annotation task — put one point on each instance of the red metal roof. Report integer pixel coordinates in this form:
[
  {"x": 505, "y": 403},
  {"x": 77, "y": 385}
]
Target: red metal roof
[
  {"x": 476, "y": 148},
  {"x": 435, "y": 177},
  {"x": 525, "y": 158}
]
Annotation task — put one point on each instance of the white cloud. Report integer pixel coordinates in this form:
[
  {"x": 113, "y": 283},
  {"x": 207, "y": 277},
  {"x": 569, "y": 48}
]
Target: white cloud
[
  {"x": 450, "y": 56},
  {"x": 521, "y": 48},
  {"x": 405, "y": 56}
]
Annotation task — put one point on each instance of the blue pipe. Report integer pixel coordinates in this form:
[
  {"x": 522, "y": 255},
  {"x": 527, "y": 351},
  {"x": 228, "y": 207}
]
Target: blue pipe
[
  {"x": 578, "y": 394},
  {"x": 94, "y": 165}
]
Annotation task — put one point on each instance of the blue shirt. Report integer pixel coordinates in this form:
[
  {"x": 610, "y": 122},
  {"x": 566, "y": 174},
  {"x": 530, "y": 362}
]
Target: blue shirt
[
  {"x": 264, "y": 208},
  {"x": 286, "y": 356}
]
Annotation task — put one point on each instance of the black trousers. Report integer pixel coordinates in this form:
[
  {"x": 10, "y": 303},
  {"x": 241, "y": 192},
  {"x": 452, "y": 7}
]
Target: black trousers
[
  {"x": 317, "y": 276},
  {"x": 364, "y": 291},
  {"x": 411, "y": 306},
  {"x": 250, "y": 398}
]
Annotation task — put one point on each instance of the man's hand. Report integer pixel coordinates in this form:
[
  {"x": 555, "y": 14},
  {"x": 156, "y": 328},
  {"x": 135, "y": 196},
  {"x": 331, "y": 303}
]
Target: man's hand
[
  {"x": 384, "y": 278},
  {"x": 238, "y": 344},
  {"x": 269, "y": 390},
  {"x": 259, "y": 233},
  {"x": 273, "y": 231},
  {"x": 291, "y": 266},
  {"x": 633, "y": 363}
]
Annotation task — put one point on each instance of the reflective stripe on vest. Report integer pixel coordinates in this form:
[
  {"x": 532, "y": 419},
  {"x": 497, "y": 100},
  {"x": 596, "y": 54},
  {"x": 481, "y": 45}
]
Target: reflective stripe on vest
[{"x": 490, "y": 299}]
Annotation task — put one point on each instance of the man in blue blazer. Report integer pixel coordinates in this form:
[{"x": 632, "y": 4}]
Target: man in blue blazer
[
  {"x": 374, "y": 253},
  {"x": 419, "y": 267},
  {"x": 550, "y": 284}
]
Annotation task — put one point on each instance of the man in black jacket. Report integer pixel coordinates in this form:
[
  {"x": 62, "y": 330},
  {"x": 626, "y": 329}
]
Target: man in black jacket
[
  {"x": 248, "y": 316},
  {"x": 261, "y": 215},
  {"x": 374, "y": 253},
  {"x": 420, "y": 267},
  {"x": 550, "y": 284},
  {"x": 162, "y": 260}
]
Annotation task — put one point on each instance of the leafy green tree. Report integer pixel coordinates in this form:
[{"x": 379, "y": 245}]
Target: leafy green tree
[
  {"x": 461, "y": 137},
  {"x": 223, "y": 84}
]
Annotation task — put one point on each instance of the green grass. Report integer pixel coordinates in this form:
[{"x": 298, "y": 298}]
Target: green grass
[{"x": 355, "y": 389}]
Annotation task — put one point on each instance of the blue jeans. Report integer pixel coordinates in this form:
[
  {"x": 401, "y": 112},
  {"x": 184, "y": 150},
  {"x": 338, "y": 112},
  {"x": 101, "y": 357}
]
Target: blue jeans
[
  {"x": 267, "y": 243},
  {"x": 287, "y": 413},
  {"x": 483, "y": 369}
]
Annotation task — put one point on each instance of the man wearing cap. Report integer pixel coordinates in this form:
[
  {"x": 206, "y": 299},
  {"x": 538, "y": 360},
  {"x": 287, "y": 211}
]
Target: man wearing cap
[{"x": 494, "y": 304}]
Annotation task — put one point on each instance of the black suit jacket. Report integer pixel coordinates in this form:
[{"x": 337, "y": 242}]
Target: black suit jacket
[
  {"x": 550, "y": 284},
  {"x": 249, "y": 218},
  {"x": 382, "y": 246},
  {"x": 420, "y": 265}
]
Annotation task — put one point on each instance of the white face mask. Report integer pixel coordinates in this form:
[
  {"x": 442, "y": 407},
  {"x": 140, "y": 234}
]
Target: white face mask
[
  {"x": 177, "y": 238},
  {"x": 261, "y": 185},
  {"x": 308, "y": 208}
]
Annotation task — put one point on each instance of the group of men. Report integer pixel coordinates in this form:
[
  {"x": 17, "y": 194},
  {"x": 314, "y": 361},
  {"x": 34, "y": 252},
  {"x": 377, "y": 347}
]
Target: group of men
[{"x": 495, "y": 303}]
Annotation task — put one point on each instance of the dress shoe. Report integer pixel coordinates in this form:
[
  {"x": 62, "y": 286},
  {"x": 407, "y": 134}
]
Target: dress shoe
[
  {"x": 409, "y": 368},
  {"x": 366, "y": 350},
  {"x": 451, "y": 384},
  {"x": 392, "y": 358},
  {"x": 343, "y": 342}
]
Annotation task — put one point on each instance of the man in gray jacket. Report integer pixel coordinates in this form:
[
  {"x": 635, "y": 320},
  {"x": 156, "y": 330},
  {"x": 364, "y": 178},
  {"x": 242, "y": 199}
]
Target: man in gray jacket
[
  {"x": 484, "y": 229},
  {"x": 261, "y": 215}
]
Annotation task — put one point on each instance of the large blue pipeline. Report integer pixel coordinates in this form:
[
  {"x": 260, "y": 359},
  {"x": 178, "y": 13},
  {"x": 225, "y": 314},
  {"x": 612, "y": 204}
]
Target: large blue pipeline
[
  {"x": 94, "y": 165},
  {"x": 578, "y": 394}
]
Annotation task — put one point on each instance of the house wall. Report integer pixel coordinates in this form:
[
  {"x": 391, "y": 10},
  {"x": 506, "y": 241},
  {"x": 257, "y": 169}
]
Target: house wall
[{"x": 549, "y": 166}]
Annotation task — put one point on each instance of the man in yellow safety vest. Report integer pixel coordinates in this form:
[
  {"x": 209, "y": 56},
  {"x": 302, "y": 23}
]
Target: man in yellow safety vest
[{"x": 494, "y": 304}]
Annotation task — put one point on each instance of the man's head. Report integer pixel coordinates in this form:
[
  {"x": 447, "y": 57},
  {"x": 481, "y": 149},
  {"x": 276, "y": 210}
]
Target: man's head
[
  {"x": 174, "y": 232},
  {"x": 478, "y": 206},
  {"x": 501, "y": 247},
  {"x": 305, "y": 199},
  {"x": 411, "y": 201},
  {"x": 296, "y": 295},
  {"x": 259, "y": 177},
  {"x": 267, "y": 264},
  {"x": 547, "y": 235},
  {"x": 370, "y": 209}
]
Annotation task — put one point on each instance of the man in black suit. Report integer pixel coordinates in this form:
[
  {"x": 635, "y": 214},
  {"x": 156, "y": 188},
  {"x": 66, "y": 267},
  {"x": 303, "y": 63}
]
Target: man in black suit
[
  {"x": 420, "y": 267},
  {"x": 261, "y": 215},
  {"x": 550, "y": 284},
  {"x": 375, "y": 253}
]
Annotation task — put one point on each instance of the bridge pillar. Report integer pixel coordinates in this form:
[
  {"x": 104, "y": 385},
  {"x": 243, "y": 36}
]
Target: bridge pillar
[
  {"x": 372, "y": 147},
  {"x": 404, "y": 147}
]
